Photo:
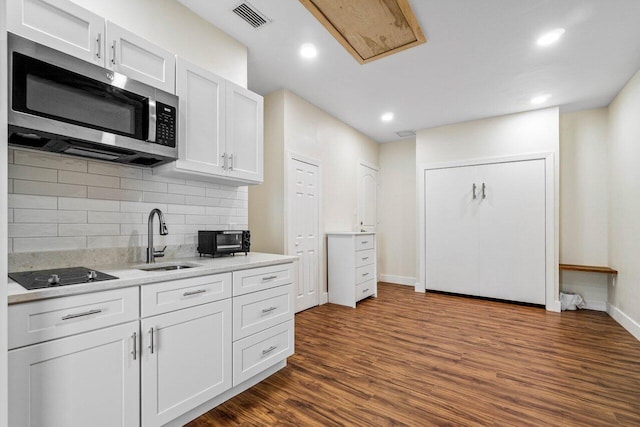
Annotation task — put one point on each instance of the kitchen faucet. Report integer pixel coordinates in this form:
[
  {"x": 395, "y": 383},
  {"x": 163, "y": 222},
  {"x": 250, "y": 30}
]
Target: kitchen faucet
[{"x": 152, "y": 254}]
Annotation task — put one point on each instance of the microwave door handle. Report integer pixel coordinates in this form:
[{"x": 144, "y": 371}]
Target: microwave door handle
[{"x": 152, "y": 120}]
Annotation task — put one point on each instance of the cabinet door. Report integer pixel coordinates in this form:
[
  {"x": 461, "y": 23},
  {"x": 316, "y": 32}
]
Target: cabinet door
[
  {"x": 90, "y": 379},
  {"x": 202, "y": 119},
  {"x": 512, "y": 231},
  {"x": 135, "y": 57},
  {"x": 186, "y": 360},
  {"x": 60, "y": 24},
  {"x": 245, "y": 117},
  {"x": 452, "y": 240}
]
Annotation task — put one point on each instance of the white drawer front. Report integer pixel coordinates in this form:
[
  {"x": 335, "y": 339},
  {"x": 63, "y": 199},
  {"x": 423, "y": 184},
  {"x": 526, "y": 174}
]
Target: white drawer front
[
  {"x": 257, "y": 279},
  {"x": 260, "y": 310},
  {"x": 365, "y": 257},
  {"x": 253, "y": 354},
  {"x": 365, "y": 242},
  {"x": 364, "y": 273},
  {"x": 176, "y": 294},
  {"x": 58, "y": 317},
  {"x": 366, "y": 289}
]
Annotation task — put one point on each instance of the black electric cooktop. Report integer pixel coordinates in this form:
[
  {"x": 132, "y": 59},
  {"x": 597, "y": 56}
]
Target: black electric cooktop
[{"x": 58, "y": 277}]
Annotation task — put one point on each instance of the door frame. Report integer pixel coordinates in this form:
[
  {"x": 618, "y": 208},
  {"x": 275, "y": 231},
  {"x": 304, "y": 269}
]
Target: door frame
[
  {"x": 552, "y": 292},
  {"x": 359, "y": 189},
  {"x": 323, "y": 294}
]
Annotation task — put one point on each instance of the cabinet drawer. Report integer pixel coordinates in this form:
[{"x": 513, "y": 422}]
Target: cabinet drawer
[
  {"x": 260, "y": 310},
  {"x": 257, "y": 279},
  {"x": 365, "y": 257},
  {"x": 253, "y": 354},
  {"x": 176, "y": 294},
  {"x": 366, "y": 289},
  {"x": 365, "y": 242},
  {"x": 54, "y": 318},
  {"x": 364, "y": 273}
]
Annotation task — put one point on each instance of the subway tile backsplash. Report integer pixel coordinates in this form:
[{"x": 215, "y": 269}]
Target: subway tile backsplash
[{"x": 61, "y": 203}]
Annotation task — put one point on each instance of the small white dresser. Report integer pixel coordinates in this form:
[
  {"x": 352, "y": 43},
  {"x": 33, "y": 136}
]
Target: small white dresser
[{"x": 352, "y": 267}]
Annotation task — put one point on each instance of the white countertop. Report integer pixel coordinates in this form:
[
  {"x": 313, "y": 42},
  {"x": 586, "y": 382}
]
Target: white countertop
[
  {"x": 350, "y": 233},
  {"x": 129, "y": 275}
]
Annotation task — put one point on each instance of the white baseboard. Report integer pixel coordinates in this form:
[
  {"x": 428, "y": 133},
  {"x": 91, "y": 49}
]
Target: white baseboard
[
  {"x": 398, "y": 280},
  {"x": 597, "y": 305},
  {"x": 324, "y": 298},
  {"x": 627, "y": 322}
]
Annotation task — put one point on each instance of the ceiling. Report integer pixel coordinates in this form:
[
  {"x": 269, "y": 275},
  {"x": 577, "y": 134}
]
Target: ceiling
[{"x": 481, "y": 60}]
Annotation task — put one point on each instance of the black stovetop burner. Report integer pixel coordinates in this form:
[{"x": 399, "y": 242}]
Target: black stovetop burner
[{"x": 58, "y": 277}]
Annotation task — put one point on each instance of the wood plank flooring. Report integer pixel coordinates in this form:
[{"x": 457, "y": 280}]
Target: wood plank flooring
[{"x": 414, "y": 359}]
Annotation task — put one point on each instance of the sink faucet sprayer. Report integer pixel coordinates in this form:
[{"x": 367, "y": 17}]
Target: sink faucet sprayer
[{"x": 152, "y": 254}]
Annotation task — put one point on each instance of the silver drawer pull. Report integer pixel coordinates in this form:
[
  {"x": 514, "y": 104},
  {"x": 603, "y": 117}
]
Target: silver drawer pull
[
  {"x": 365, "y": 290},
  {"x": 365, "y": 274},
  {"x": 364, "y": 242},
  {"x": 270, "y": 277},
  {"x": 151, "y": 340},
  {"x": 268, "y": 310},
  {"x": 199, "y": 291},
  {"x": 269, "y": 350},
  {"x": 135, "y": 346},
  {"x": 86, "y": 313},
  {"x": 365, "y": 258}
]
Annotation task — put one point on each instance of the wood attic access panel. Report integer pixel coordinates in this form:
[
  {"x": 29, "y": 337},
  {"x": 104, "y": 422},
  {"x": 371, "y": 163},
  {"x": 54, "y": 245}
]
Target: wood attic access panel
[{"x": 369, "y": 29}]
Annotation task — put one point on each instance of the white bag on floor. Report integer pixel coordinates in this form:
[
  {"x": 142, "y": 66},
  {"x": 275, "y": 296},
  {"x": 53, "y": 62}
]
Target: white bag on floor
[{"x": 571, "y": 301}]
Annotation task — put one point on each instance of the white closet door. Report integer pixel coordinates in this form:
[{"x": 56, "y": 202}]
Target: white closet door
[
  {"x": 511, "y": 220},
  {"x": 452, "y": 238}
]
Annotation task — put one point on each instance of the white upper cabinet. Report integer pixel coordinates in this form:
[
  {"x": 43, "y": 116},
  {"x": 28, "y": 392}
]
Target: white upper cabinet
[
  {"x": 69, "y": 28},
  {"x": 135, "y": 57},
  {"x": 221, "y": 129},
  {"x": 245, "y": 116},
  {"x": 60, "y": 24}
]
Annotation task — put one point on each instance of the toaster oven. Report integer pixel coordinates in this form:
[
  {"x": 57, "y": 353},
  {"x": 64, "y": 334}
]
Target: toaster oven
[{"x": 223, "y": 242}]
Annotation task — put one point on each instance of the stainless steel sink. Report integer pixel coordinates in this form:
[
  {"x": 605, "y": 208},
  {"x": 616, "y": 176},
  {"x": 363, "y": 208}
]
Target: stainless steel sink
[{"x": 168, "y": 266}]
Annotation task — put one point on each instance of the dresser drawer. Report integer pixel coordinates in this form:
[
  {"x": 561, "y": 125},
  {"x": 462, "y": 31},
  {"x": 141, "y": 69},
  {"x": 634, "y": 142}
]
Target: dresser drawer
[
  {"x": 260, "y": 310},
  {"x": 253, "y": 354},
  {"x": 257, "y": 279},
  {"x": 365, "y": 257},
  {"x": 365, "y": 242},
  {"x": 364, "y": 273},
  {"x": 176, "y": 294},
  {"x": 44, "y": 320},
  {"x": 366, "y": 289}
]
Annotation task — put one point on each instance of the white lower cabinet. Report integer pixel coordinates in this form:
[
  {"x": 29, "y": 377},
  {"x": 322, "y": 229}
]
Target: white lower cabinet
[
  {"x": 186, "y": 360},
  {"x": 89, "y": 379}
]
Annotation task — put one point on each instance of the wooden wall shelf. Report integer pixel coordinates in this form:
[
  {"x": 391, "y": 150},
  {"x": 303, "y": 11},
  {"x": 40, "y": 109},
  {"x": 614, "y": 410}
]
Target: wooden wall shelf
[{"x": 589, "y": 268}]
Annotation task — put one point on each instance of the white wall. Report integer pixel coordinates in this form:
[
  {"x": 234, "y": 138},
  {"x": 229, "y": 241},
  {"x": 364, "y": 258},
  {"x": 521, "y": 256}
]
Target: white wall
[
  {"x": 177, "y": 29},
  {"x": 397, "y": 212},
  {"x": 583, "y": 203},
  {"x": 511, "y": 135},
  {"x": 624, "y": 205}
]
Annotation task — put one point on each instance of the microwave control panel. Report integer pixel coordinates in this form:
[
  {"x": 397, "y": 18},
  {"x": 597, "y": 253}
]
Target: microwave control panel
[{"x": 165, "y": 124}]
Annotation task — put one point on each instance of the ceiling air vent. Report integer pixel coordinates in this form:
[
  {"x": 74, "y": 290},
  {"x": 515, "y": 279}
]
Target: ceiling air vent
[
  {"x": 405, "y": 133},
  {"x": 251, "y": 15}
]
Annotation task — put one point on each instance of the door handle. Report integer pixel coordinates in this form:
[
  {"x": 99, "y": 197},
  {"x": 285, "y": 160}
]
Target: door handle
[
  {"x": 151, "y": 343},
  {"x": 99, "y": 43},
  {"x": 113, "y": 53},
  {"x": 135, "y": 346},
  {"x": 484, "y": 193},
  {"x": 474, "y": 191}
]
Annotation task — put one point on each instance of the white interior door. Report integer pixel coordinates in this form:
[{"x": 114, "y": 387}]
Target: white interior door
[
  {"x": 367, "y": 197},
  {"x": 304, "y": 230}
]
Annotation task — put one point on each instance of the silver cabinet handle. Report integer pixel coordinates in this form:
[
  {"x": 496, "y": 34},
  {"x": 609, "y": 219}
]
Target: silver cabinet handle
[
  {"x": 99, "y": 43},
  {"x": 365, "y": 290},
  {"x": 365, "y": 258},
  {"x": 365, "y": 274},
  {"x": 484, "y": 193},
  {"x": 113, "y": 53},
  {"x": 268, "y": 310},
  {"x": 269, "y": 350},
  {"x": 270, "y": 277},
  {"x": 86, "y": 313},
  {"x": 364, "y": 242},
  {"x": 135, "y": 346},
  {"x": 230, "y": 162},
  {"x": 199, "y": 291},
  {"x": 474, "y": 191},
  {"x": 224, "y": 161},
  {"x": 151, "y": 343}
]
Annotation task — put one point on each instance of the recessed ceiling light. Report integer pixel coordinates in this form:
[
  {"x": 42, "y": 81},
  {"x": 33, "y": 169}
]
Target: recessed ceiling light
[
  {"x": 387, "y": 117},
  {"x": 308, "y": 50},
  {"x": 540, "y": 99},
  {"x": 551, "y": 37}
]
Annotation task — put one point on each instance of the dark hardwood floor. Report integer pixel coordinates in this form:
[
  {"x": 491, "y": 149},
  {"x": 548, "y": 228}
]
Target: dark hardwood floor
[{"x": 430, "y": 359}]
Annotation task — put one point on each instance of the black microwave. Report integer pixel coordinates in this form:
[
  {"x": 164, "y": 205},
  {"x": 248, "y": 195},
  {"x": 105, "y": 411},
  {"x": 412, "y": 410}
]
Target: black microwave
[
  {"x": 66, "y": 105},
  {"x": 223, "y": 242}
]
